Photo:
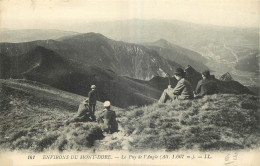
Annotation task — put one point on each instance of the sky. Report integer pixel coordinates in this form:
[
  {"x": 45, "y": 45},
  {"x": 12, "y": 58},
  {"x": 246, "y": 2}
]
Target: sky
[{"x": 58, "y": 14}]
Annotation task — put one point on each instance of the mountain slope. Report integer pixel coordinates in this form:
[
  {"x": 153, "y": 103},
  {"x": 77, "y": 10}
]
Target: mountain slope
[
  {"x": 48, "y": 67},
  {"x": 249, "y": 63},
  {"x": 71, "y": 67},
  {"x": 178, "y": 54},
  {"x": 126, "y": 59},
  {"x": 222, "y": 46},
  {"x": 218, "y": 122},
  {"x": 33, "y": 117}
]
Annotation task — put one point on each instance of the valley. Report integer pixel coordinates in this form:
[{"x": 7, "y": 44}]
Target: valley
[{"x": 219, "y": 64}]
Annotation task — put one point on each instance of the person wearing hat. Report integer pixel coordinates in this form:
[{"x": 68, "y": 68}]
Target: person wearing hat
[
  {"x": 83, "y": 114},
  {"x": 92, "y": 96},
  {"x": 183, "y": 88},
  {"x": 108, "y": 118},
  {"x": 206, "y": 86}
]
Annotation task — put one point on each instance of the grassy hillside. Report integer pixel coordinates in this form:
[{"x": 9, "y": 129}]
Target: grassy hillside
[
  {"x": 218, "y": 122},
  {"x": 33, "y": 117}
]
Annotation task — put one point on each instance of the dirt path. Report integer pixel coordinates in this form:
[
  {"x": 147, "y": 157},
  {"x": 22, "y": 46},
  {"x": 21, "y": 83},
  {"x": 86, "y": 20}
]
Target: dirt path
[{"x": 116, "y": 141}]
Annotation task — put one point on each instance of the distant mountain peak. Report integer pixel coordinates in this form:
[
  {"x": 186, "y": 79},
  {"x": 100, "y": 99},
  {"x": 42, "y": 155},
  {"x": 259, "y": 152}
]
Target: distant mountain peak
[
  {"x": 163, "y": 43},
  {"x": 92, "y": 34},
  {"x": 226, "y": 77},
  {"x": 163, "y": 40},
  {"x": 87, "y": 36}
]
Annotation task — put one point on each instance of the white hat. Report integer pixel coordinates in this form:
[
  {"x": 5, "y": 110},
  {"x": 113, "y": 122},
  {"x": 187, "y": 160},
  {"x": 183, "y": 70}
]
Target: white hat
[
  {"x": 106, "y": 103},
  {"x": 93, "y": 86}
]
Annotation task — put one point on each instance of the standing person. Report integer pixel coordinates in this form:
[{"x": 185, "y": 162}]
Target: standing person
[
  {"x": 183, "y": 88},
  {"x": 92, "y": 96},
  {"x": 206, "y": 86},
  {"x": 108, "y": 118}
]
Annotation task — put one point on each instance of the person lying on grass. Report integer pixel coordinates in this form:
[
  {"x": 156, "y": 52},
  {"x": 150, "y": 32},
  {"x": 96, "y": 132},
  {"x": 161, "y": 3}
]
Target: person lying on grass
[
  {"x": 83, "y": 114},
  {"x": 108, "y": 119}
]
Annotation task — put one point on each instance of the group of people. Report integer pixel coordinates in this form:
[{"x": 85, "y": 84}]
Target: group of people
[
  {"x": 183, "y": 89},
  {"x": 86, "y": 113}
]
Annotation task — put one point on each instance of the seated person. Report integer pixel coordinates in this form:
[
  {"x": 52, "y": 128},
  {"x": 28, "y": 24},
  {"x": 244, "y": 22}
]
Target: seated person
[
  {"x": 83, "y": 114},
  {"x": 167, "y": 95},
  {"x": 206, "y": 86},
  {"x": 183, "y": 88},
  {"x": 108, "y": 118}
]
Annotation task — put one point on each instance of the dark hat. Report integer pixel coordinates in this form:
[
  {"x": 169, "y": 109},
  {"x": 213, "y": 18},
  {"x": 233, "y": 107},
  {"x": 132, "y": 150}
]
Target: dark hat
[
  {"x": 206, "y": 73},
  {"x": 179, "y": 72}
]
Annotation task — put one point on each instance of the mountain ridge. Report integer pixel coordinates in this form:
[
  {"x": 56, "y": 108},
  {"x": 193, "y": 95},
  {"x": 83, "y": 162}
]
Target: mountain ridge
[
  {"x": 178, "y": 54},
  {"x": 26, "y": 35},
  {"x": 124, "y": 58},
  {"x": 57, "y": 64}
]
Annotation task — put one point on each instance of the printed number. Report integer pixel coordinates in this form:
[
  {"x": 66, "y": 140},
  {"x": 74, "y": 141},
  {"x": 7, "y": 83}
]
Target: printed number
[{"x": 30, "y": 157}]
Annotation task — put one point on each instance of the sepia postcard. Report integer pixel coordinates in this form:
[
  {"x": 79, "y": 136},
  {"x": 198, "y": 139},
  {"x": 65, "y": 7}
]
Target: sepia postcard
[{"x": 129, "y": 82}]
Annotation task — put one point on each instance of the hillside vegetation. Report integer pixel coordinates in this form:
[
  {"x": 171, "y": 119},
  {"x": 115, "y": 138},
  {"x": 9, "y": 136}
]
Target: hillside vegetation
[
  {"x": 33, "y": 118},
  {"x": 218, "y": 122}
]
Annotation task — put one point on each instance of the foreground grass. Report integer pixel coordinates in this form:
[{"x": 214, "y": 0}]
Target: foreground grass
[
  {"x": 218, "y": 122},
  {"x": 32, "y": 118}
]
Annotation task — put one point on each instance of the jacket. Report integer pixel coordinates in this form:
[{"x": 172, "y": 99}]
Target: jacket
[
  {"x": 183, "y": 89},
  {"x": 92, "y": 95},
  {"x": 206, "y": 87},
  {"x": 83, "y": 113},
  {"x": 109, "y": 119}
]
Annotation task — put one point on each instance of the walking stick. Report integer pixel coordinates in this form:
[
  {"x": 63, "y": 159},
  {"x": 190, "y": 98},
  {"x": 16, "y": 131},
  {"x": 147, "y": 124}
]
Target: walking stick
[{"x": 169, "y": 80}]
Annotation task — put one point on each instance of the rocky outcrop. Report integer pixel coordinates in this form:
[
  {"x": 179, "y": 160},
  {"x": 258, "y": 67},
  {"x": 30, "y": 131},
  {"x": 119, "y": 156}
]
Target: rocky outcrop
[
  {"x": 226, "y": 77},
  {"x": 224, "y": 86}
]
